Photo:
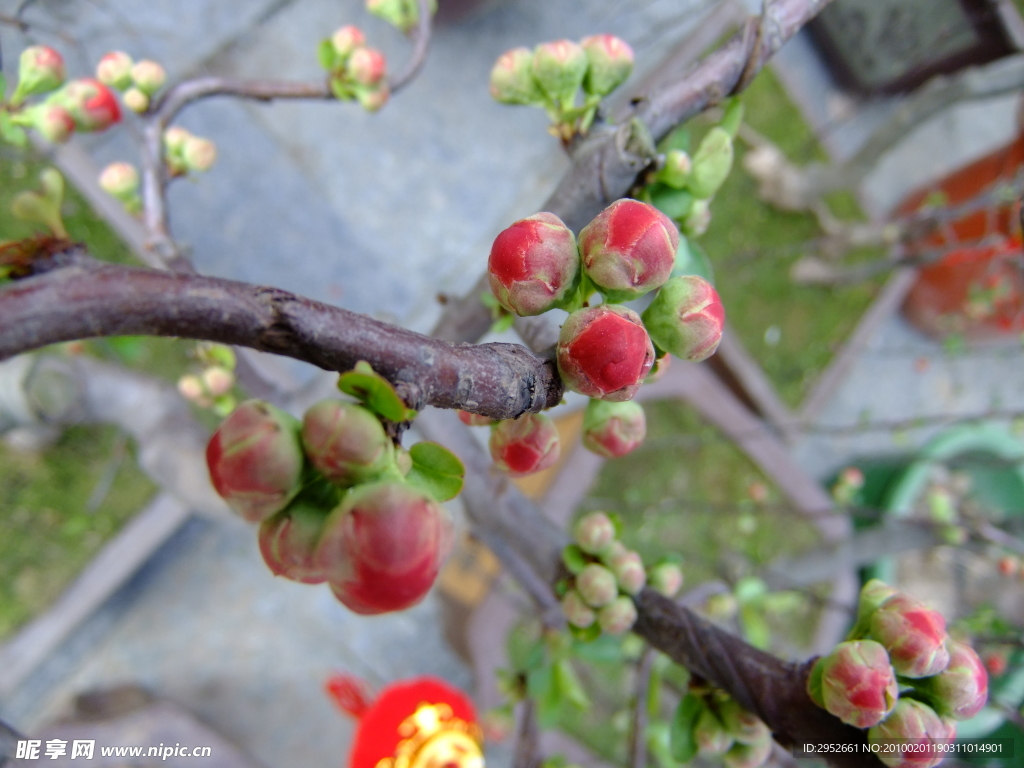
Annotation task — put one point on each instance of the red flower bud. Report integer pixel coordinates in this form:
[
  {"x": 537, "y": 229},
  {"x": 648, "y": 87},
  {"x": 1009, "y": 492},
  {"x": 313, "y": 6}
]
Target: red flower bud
[
  {"x": 54, "y": 123},
  {"x": 345, "y": 442},
  {"x": 594, "y": 532},
  {"x": 629, "y": 570},
  {"x": 666, "y": 578},
  {"x": 92, "y": 105},
  {"x": 629, "y": 249},
  {"x": 474, "y": 419},
  {"x": 525, "y": 445},
  {"x": 604, "y": 352},
  {"x": 576, "y": 610},
  {"x": 858, "y": 684},
  {"x": 961, "y": 689},
  {"x": 610, "y": 60},
  {"x": 40, "y": 70},
  {"x": 686, "y": 318},
  {"x": 367, "y": 66},
  {"x": 596, "y": 585},
  {"x": 914, "y": 635},
  {"x": 534, "y": 265},
  {"x": 996, "y": 663},
  {"x": 618, "y": 616},
  {"x": 255, "y": 460},
  {"x": 381, "y": 550},
  {"x": 115, "y": 70},
  {"x": 512, "y": 78},
  {"x": 288, "y": 539},
  {"x": 613, "y": 429},
  {"x": 902, "y": 737},
  {"x": 346, "y": 40},
  {"x": 559, "y": 68}
]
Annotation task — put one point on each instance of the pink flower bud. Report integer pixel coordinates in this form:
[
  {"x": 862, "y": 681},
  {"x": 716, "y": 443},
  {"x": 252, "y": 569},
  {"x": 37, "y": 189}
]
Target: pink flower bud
[
  {"x": 576, "y": 611},
  {"x": 858, "y": 684},
  {"x": 596, "y": 585},
  {"x": 474, "y": 420},
  {"x": 40, "y": 70},
  {"x": 381, "y": 550},
  {"x": 604, "y": 352},
  {"x": 373, "y": 98},
  {"x": 255, "y": 460},
  {"x": 961, "y": 689},
  {"x": 92, "y": 105},
  {"x": 594, "y": 532},
  {"x": 686, "y": 318},
  {"x": 613, "y": 429},
  {"x": 367, "y": 66},
  {"x": 629, "y": 249},
  {"x": 198, "y": 154},
  {"x": 618, "y": 616},
  {"x": 610, "y": 60},
  {"x": 914, "y": 635},
  {"x": 710, "y": 734},
  {"x": 148, "y": 76},
  {"x": 629, "y": 570},
  {"x": 345, "y": 442},
  {"x": 512, "y": 78},
  {"x": 559, "y": 68},
  {"x": 54, "y": 123},
  {"x": 666, "y": 578},
  {"x": 115, "y": 70},
  {"x": 218, "y": 381},
  {"x": 191, "y": 388},
  {"x": 534, "y": 265},
  {"x": 346, "y": 39},
  {"x": 902, "y": 736},
  {"x": 119, "y": 179},
  {"x": 525, "y": 445},
  {"x": 288, "y": 539},
  {"x": 136, "y": 100}
]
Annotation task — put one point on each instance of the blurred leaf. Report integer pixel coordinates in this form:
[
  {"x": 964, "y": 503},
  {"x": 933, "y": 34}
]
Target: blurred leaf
[
  {"x": 733, "y": 117},
  {"x": 569, "y": 685},
  {"x": 435, "y": 471},
  {"x": 684, "y": 746},
  {"x": 574, "y": 559}
]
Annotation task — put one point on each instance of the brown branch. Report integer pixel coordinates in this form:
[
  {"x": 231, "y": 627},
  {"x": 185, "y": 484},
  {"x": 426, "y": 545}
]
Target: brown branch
[
  {"x": 78, "y": 297},
  {"x": 605, "y": 166},
  {"x": 421, "y": 43},
  {"x": 638, "y": 730},
  {"x": 527, "y": 753}
]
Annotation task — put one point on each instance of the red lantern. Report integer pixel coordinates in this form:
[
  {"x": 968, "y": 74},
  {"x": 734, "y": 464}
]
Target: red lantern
[{"x": 418, "y": 723}]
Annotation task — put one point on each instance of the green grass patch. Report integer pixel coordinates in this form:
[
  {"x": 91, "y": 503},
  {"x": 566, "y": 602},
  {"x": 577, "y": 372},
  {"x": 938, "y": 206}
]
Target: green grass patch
[{"x": 48, "y": 530}]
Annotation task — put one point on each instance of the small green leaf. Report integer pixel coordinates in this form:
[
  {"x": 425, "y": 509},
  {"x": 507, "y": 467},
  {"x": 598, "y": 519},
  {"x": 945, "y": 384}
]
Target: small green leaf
[
  {"x": 569, "y": 685},
  {"x": 435, "y": 471},
  {"x": 375, "y": 392},
  {"x": 678, "y": 139},
  {"x": 561, "y": 586},
  {"x": 684, "y": 746},
  {"x": 326, "y": 55},
  {"x": 588, "y": 635},
  {"x": 574, "y": 559},
  {"x": 733, "y": 117},
  {"x": 10, "y": 132},
  {"x": 674, "y": 203}
]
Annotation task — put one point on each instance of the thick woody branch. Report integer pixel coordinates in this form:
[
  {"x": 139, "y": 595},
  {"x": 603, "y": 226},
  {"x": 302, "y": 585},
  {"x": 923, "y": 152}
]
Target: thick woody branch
[
  {"x": 79, "y": 298},
  {"x": 605, "y": 166}
]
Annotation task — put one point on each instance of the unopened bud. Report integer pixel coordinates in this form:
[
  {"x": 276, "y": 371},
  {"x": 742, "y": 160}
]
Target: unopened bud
[
  {"x": 120, "y": 180},
  {"x": 1008, "y": 565},
  {"x": 115, "y": 70},
  {"x": 512, "y": 78},
  {"x": 40, "y": 70},
  {"x": 218, "y": 381},
  {"x": 92, "y": 105},
  {"x": 666, "y": 578},
  {"x": 686, "y": 318},
  {"x": 175, "y": 138},
  {"x": 596, "y": 585},
  {"x": 288, "y": 539},
  {"x": 136, "y": 100},
  {"x": 908, "y": 737},
  {"x": 559, "y": 68},
  {"x": 961, "y": 689},
  {"x": 613, "y": 429},
  {"x": 711, "y": 163},
  {"x": 629, "y": 571},
  {"x": 604, "y": 352},
  {"x": 191, "y": 388},
  {"x": 367, "y": 66},
  {"x": 710, "y": 734},
  {"x": 858, "y": 684},
  {"x": 346, "y": 442},
  {"x": 677, "y": 169},
  {"x": 914, "y": 635},
  {"x": 534, "y": 265},
  {"x": 148, "y": 76},
  {"x": 525, "y": 445},
  {"x": 618, "y": 616},
  {"x": 198, "y": 154},
  {"x": 594, "y": 532},
  {"x": 54, "y": 123},
  {"x": 346, "y": 40},
  {"x": 576, "y": 610},
  {"x": 610, "y": 61}
]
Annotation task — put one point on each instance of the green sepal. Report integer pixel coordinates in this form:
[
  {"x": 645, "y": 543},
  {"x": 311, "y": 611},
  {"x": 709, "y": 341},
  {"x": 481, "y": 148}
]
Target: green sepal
[
  {"x": 684, "y": 745},
  {"x": 436, "y": 471},
  {"x": 814, "y": 683},
  {"x": 733, "y": 117},
  {"x": 574, "y": 559},
  {"x": 327, "y": 56},
  {"x": 375, "y": 392},
  {"x": 569, "y": 685},
  {"x": 10, "y": 132},
  {"x": 586, "y": 634},
  {"x": 674, "y": 203},
  {"x": 341, "y": 90}
]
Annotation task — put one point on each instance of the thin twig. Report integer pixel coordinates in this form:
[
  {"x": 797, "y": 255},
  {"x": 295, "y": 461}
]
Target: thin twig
[
  {"x": 638, "y": 731},
  {"x": 527, "y": 754},
  {"x": 421, "y": 43}
]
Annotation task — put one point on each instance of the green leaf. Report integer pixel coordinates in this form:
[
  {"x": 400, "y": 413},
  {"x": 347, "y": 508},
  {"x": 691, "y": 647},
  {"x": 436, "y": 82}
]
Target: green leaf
[
  {"x": 733, "y": 117},
  {"x": 684, "y": 746},
  {"x": 375, "y": 392},
  {"x": 588, "y": 635},
  {"x": 326, "y": 55},
  {"x": 542, "y": 688},
  {"x": 10, "y": 132},
  {"x": 602, "y": 650},
  {"x": 3, "y": 86},
  {"x": 674, "y": 203},
  {"x": 692, "y": 260},
  {"x": 678, "y": 139},
  {"x": 569, "y": 686},
  {"x": 574, "y": 559},
  {"x": 436, "y": 471}
]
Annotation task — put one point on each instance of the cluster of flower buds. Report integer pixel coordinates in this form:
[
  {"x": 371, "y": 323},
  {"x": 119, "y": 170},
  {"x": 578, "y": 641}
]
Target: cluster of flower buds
[
  {"x": 606, "y": 576},
  {"x": 552, "y": 75},
  {"x": 121, "y": 180},
  {"x": 138, "y": 81},
  {"x": 404, "y": 14},
  {"x": 211, "y": 386},
  {"x": 900, "y": 675},
  {"x": 356, "y": 71},
  {"x": 185, "y": 152},
  {"x": 718, "y": 728},
  {"x": 78, "y": 105},
  {"x": 337, "y": 500},
  {"x": 684, "y": 185}
]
